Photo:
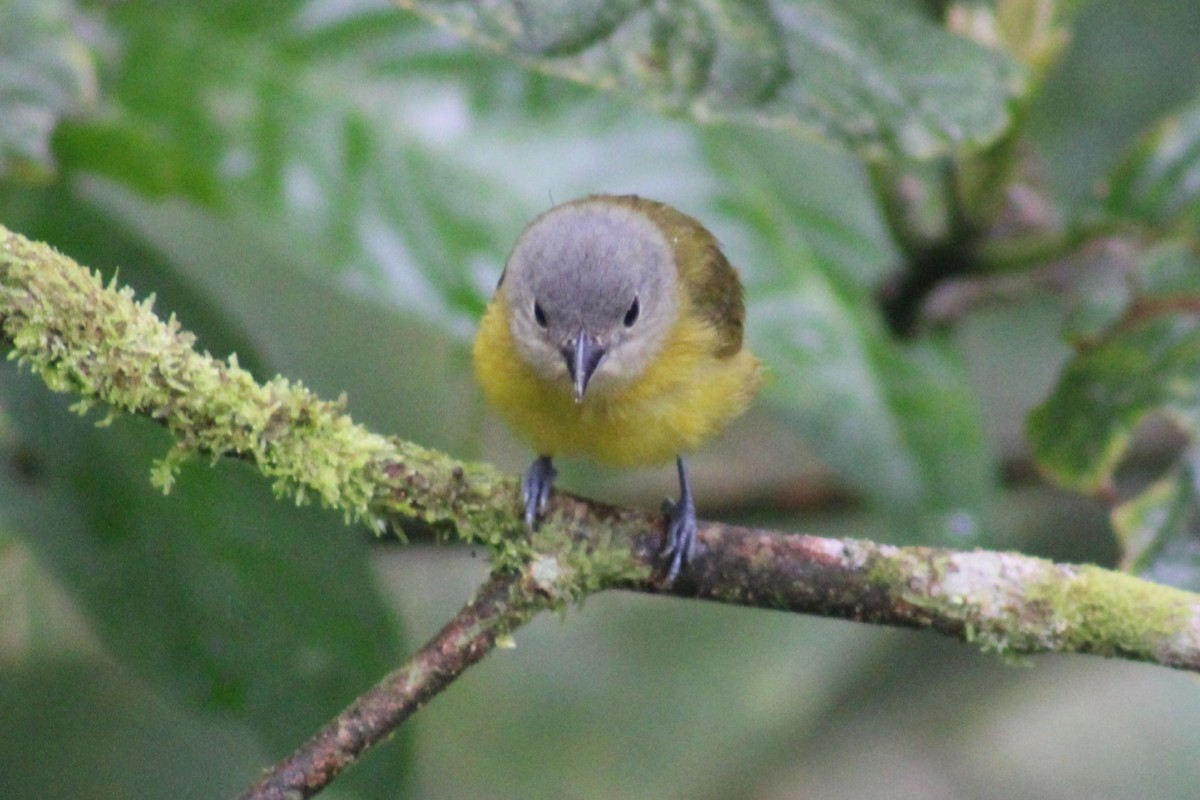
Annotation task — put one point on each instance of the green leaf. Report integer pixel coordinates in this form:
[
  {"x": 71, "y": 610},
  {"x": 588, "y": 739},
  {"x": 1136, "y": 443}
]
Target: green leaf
[
  {"x": 1152, "y": 516},
  {"x": 218, "y": 594},
  {"x": 46, "y": 74},
  {"x": 881, "y": 79},
  {"x": 1080, "y": 433},
  {"x": 1144, "y": 361},
  {"x": 138, "y": 156},
  {"x": 1163, "y": 275},
  {"x": 825, "y": 195},
  {"x": 1169, "y": 272},
  {"x": 900, "y": 424},
  {"x": 1159, "y": 528},
  {"x": 1101, "y": 297},
  {"x": 408, "y": 191},
  {"x": 1158, "y": 181},
  {"x": 300, "y": 129}
]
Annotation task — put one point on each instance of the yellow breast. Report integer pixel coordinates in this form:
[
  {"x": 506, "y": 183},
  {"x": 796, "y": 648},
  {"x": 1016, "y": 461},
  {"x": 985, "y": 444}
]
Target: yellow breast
[{"x": 685, "y": 395}]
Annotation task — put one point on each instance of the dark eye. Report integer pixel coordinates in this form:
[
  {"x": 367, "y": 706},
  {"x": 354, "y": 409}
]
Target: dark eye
[
  {"x": 538, "y": 314},
  {"x": 632, "y": 314}
]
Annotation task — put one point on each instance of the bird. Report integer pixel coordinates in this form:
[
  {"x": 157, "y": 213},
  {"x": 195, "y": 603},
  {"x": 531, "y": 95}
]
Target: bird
[{"x": 615, "y": 333}]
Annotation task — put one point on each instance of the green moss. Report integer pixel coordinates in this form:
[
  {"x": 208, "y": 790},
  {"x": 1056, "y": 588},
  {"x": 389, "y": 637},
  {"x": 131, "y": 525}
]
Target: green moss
[
  {"x": 1109, "y": 613},
  {"x": 100, "y": 343},
  {"x": 604, "y": 559},
  {"x": 1016, "y": 605}
]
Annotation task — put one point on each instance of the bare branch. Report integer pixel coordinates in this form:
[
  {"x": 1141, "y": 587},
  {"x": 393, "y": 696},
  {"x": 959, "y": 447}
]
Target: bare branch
[{"x": 497, "y": 609}]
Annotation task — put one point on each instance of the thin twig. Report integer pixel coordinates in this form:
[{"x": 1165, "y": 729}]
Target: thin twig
[{"x": 497, "y": 609}]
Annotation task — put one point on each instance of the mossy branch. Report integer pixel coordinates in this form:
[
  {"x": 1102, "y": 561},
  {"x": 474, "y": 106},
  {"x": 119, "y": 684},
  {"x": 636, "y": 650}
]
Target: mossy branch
[{"x": 95, "y": 340}]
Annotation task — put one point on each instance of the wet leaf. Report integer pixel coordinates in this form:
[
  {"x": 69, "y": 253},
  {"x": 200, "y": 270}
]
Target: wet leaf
[
  {"x": 881, "y": 79},
  {"x": 1158, "y": 182}
]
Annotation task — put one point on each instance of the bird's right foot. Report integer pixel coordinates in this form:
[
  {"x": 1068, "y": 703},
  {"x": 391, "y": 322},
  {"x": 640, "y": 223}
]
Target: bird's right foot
[{"x": 536, "y": 487}]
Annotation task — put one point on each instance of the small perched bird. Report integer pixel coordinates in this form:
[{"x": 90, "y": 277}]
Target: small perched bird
[{"x": 616, "y": 333}]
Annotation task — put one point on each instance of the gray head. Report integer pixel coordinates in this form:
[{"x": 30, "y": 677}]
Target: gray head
[{"x": 591, "y": 289}]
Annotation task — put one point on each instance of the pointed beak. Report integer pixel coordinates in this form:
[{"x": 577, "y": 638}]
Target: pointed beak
[{"x": 583, "y": 354}]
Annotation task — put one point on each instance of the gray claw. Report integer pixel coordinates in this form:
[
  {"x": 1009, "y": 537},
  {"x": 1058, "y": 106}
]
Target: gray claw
[{"x": 681, "y": 526}]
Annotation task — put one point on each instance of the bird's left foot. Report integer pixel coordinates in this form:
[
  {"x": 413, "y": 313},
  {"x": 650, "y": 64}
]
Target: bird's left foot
[{"x": 681, "y": 526}]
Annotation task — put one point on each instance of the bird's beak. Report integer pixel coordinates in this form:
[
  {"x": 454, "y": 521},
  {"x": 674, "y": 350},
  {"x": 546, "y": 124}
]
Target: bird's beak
[{"x": 583, "y": 355}]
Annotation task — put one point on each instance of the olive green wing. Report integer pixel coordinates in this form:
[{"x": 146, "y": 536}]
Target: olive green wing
[{"x": 712, "y": 284}]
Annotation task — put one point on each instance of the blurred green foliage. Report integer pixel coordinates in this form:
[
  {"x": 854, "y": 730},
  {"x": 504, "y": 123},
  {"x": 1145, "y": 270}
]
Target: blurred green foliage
[{"x": 329, "y": 189}]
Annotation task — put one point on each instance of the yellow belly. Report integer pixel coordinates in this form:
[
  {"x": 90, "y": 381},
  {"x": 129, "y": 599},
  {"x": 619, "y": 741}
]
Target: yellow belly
[{"x": 685, "y": 396}]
